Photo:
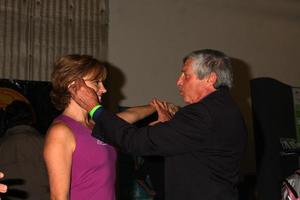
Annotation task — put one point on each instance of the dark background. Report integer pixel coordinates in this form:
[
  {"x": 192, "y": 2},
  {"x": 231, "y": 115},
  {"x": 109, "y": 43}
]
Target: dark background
[{"x": 273, "y": 118}]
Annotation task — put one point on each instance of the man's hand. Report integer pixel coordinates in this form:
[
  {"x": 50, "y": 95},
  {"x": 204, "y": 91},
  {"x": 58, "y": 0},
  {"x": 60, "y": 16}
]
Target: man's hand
[
  {"x": 165, "y": 110},
  {"x": 172, "y": 108},
  {"x": 85, "y": 96}
]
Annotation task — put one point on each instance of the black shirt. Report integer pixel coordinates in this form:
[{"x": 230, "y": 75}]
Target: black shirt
[{"x": 202, "y": 145}]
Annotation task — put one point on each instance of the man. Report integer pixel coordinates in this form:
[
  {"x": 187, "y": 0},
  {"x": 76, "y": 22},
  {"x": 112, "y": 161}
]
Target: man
[{"x": 202, "y": 144}]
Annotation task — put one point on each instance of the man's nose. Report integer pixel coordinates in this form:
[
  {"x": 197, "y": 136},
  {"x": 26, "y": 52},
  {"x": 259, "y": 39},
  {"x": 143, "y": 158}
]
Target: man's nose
[{"x": 179, "y": 81}]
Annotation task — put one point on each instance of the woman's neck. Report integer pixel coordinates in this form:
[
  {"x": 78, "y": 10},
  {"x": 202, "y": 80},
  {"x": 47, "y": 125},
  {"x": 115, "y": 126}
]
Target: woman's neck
[{"x": 74, "y": 111}]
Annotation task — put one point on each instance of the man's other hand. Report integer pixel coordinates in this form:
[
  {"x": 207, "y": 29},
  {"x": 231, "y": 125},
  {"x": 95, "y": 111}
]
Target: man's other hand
[{"x": 85, "y": 96}]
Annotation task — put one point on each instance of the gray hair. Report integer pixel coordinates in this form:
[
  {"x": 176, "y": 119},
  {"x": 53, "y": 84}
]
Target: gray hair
[{"x": 207, "y": 61}]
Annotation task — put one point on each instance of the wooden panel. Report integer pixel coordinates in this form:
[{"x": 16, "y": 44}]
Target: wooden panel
[{"x": 34, "y": 33}]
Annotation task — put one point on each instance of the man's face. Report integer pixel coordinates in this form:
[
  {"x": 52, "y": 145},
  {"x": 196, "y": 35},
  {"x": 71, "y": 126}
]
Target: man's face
[{"x": 190, "y": 87}]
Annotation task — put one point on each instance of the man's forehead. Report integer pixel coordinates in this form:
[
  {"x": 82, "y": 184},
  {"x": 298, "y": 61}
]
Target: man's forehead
[
  {"x": 188, "y": 61},
  {"x": 187, "y": 64}
]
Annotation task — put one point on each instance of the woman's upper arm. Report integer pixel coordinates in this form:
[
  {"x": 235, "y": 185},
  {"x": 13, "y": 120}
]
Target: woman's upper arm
[
  {"x": 134, "y": 114},
  {"x": 58, "y": 150}
]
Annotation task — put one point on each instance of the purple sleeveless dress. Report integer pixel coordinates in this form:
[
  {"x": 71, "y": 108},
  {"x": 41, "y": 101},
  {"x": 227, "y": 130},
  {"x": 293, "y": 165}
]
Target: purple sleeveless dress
[{"x": 93, "y": 165}]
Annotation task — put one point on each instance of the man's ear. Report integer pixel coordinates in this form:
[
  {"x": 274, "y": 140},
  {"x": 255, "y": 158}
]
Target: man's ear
[{"x": 212, "y": 78}]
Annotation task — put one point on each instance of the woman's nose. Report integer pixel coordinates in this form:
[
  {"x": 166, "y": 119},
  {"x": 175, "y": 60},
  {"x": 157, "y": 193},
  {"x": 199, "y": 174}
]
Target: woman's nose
[{"x": 102, "y": 88}]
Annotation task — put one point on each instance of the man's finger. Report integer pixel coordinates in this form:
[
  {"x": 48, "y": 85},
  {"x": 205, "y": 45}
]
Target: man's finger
[
  {"x": 72, "y": 89},
  {"x": 80, "y": 82},
  {"x": 75, "y": 85}
]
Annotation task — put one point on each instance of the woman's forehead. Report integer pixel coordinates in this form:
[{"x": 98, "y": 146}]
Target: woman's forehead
[{"x": 96, "y": 74}]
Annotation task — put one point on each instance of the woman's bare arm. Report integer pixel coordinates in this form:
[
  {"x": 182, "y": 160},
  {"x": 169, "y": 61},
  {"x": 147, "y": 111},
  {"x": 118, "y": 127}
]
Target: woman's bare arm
[
  {"x": 137, "y": 113},
  {"x": 58, "y": 150}
]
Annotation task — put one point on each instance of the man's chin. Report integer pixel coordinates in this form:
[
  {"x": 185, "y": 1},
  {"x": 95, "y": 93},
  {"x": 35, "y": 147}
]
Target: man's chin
[{"x": 187, "y": 101}]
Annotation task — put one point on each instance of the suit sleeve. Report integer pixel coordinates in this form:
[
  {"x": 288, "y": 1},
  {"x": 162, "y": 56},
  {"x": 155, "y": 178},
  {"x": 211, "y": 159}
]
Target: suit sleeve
[{"x": 188, "y": 131}]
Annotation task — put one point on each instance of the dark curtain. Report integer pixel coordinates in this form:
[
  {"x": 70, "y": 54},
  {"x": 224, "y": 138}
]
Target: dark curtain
[{"x": 273, "y": 118}]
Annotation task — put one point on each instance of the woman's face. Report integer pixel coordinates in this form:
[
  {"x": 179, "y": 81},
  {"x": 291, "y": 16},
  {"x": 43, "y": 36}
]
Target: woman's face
[{"x": 96, "y": 84}]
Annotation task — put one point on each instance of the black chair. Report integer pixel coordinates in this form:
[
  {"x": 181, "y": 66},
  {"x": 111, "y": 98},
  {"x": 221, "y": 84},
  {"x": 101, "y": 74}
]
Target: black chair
[{"x": 37, "y": 92}]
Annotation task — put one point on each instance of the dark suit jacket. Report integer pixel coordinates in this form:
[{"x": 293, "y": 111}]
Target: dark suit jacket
[{"x": 203, "y": 145}]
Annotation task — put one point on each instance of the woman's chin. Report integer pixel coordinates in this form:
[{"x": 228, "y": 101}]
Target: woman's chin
[{"x": 99, "y": 99}]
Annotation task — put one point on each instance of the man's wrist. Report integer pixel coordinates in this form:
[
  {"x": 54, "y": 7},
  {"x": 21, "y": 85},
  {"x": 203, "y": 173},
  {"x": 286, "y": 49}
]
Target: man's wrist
[{"x": 92, "y": 112}]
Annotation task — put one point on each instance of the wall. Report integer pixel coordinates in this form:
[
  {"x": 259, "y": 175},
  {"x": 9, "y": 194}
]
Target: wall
[{"x": 147, "y": 40}]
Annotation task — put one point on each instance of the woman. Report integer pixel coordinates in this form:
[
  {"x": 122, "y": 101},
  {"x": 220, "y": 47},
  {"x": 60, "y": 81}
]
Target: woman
[{"x": 80, "y": 166}]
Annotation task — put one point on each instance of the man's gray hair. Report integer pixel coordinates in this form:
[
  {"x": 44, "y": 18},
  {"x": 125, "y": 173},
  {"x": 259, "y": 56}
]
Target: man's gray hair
[{"x": 206, "y": 61}]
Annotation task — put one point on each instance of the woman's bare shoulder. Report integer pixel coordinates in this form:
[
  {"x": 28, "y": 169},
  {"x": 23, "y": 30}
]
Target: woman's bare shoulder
[{"x": 59, "y": 132}]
